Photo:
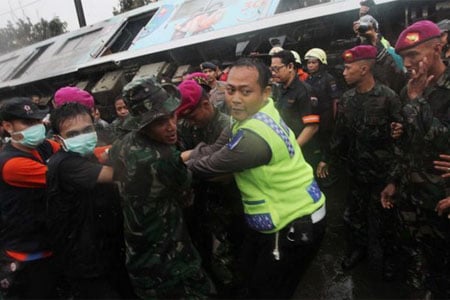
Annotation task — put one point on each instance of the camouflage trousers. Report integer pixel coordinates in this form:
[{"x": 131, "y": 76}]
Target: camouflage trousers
[
  {"x": 425, "y": 241},
  {"x": 216, "y": 223},
  {"x": 156, "y": 275},
  {"x": 369, "y": 225}
]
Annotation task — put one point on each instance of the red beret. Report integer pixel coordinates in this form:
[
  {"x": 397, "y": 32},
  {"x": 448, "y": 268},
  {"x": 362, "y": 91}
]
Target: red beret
[
  {"x": 198, "y": 77},
  {"x": 359, "y": 53},
  {"x": 416, "y": 34},
  {"x": 191, "y": 93}
]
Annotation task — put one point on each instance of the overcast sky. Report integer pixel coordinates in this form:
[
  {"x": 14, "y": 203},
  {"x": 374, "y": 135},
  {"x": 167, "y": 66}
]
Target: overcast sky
[{"x": 94, "y": 10}]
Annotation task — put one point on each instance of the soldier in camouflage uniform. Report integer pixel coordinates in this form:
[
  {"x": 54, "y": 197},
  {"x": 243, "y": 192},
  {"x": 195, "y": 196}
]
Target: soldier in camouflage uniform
[
  {"x": 200, "y": 120},
  {"x": 362, "y": 138},
  {"x": 426, "y": 110},
  {"x": 161, "y": 260},
  {"x": 216, "y": 216}
]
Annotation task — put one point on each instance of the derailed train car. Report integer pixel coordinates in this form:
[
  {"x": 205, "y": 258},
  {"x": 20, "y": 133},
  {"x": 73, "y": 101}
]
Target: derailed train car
[{"x": 163, "y": 39}]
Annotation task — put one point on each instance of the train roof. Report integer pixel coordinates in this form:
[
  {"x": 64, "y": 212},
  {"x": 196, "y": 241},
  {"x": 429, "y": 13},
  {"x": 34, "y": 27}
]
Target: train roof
[{"x": 113, "y": 41}]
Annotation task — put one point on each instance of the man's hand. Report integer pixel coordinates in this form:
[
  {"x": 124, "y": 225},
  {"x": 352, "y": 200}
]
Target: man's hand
[
  {"x": 442, "y": 206},
  {"x": 396, "y": 130},
  {"x": 387, "y": 196},
  {"x": 419, "y": 80},
  {"x": 443, "y": 165},
  {"x": 185, "y": 155},
  {"x": 322, "y": 170}
]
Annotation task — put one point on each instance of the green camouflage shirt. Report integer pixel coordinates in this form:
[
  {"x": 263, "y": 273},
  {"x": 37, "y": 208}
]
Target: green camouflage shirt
[
  {"x": 161, "y": 259},
  {"x": 190, "y": 136},
  {"x": 362, "y": 133},
  {"x": 426, "y": 135}
]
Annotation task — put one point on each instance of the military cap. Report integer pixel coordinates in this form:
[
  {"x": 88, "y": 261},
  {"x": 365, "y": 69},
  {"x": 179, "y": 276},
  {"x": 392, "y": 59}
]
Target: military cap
[
  {"x": 417, "y": 34},
  {"x": 21, "y": 108},
  {"x": 201, "y": 79},
  {"x": 191, "y": 94},
  {"x": 73, "y": 94},
  {"x": 359, "y": 53},
  {"x": 147, "y": 100}
]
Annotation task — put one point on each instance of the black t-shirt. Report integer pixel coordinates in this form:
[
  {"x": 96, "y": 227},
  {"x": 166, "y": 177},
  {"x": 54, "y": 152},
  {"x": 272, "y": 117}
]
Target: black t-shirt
[
  {"x": 84, "y": 216},
  {"x": 297, "y": 106}
]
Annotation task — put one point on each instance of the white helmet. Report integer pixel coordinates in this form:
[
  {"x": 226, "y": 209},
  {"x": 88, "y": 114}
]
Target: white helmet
[
  {"x": 318, "y": 54},
  {"x": 297, "y": 57},
  {"x": 275, "y": 49}
]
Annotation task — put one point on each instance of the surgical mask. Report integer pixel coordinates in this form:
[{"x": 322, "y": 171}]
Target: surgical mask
[
  {"x": 82, "y": 144},
  {"x": 32, "y": 137}
]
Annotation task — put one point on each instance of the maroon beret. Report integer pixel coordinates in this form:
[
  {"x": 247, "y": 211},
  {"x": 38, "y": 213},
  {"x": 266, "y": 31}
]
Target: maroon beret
[
  {"x": 359, "y": 53},
  {"x": 191, "y": 93},
  {"x": 416, "y": 34}
]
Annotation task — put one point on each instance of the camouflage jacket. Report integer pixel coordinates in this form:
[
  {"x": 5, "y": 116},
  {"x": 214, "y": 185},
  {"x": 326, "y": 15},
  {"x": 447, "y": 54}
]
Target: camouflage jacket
[
  {"x": 427, "y": 134},
  {"x": 121, "y": 127},
  {"x": 190, "y": 136},
  {"x": 161, "y": 259},
  {"x": 362, "y": 134}
]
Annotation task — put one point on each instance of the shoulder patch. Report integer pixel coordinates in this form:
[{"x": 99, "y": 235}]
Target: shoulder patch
[{"x": 235, "y": 139}]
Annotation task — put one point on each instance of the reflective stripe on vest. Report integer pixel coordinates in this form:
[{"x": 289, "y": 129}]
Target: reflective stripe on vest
[{"x": 282, "y": 133}]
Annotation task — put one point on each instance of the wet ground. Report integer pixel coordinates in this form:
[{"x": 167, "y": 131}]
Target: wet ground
[{"x": 325, "y": 278}]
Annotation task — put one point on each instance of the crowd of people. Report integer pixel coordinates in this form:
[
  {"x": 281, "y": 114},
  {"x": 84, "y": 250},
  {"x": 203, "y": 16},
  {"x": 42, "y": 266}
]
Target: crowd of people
[{"x": 217, "y": 187}]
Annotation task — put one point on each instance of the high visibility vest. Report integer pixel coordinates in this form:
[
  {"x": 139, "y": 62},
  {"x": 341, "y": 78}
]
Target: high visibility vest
[{"x": 283, "y": 190}]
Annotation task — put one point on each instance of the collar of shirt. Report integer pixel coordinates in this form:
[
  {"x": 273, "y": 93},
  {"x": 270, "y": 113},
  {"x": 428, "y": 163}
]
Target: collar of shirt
[
  {"x": 294, "y": 84},
  {"x": 375, "y": 91}
]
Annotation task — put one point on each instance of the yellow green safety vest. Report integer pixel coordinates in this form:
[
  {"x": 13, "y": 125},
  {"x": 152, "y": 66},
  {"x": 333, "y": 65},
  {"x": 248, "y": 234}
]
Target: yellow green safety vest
[{"x": 283, "y": 190}]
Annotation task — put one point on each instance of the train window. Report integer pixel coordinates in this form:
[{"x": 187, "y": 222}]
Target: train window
[
  {"x": 7, "y": 65},
  {"x": 126, "y": 35},
  {"x": 81, "y": 41},
  {"x": 28, "y": 61}
]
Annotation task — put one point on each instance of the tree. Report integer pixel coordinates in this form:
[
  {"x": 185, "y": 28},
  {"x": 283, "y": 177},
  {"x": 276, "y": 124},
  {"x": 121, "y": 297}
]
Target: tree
[
  {"x": 24, "y": 33},
  {"x": 126, "y": 5}
]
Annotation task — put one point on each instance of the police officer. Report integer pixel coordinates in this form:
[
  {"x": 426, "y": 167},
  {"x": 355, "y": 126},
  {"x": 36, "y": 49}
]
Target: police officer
[
  {"x": 216, "y": 217},
  {"x": 426, "y": 111},
  {"x": 161, "y": 260},
  {"x": 217, "y": 91},
  {"x": 362, "y": 138},
  {"x": 283, "y": 205},
  {"x": 25, "y": 257}
]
